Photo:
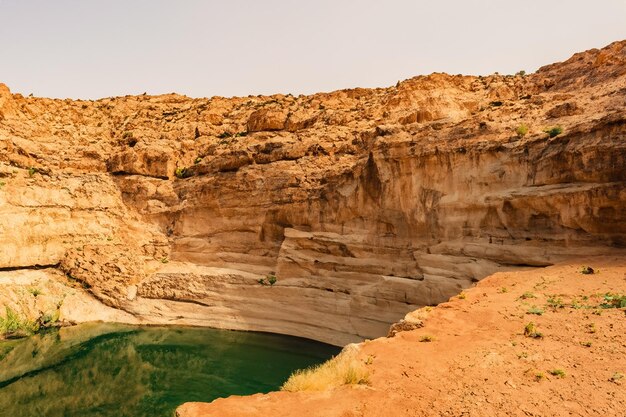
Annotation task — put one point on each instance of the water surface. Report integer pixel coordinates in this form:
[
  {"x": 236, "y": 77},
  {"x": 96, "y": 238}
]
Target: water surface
[{"x": 109, "y": 370}]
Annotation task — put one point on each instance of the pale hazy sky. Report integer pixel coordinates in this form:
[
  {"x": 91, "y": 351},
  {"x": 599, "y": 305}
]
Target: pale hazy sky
[{"x": 92, "y": 49}]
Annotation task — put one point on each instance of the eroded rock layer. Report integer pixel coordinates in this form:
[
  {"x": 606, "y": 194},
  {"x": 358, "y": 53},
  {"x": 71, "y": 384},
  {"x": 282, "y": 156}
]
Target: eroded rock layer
[{"x": 327, "y": 216}]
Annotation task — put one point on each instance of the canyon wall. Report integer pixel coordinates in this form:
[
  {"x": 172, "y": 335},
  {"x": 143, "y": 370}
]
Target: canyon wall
[{"x": 327, "y": 216}]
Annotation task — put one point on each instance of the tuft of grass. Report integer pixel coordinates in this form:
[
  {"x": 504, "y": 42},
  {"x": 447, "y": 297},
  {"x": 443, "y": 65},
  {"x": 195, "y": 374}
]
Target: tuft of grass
[
  {"x": 32, "y": 171},
  {"x": 527, "y": 295},
  {"x": 164, "y": 260},
  {"x": 34, "y": 291},
  {"x": 612, "y": 300},
  {"x": 13, "y": 324},
  {"x": 586, "y": 344},
  {"x": 343, "y": 369},
  {"x": 530, "y": 330},
  {"x": 521, "y": 130},
  {"x": 462, "y": 295},
  {"x": 555, "y": 302},
  {"x": 557, "y": 372},
  {"x": 616, "y": 377},
  {"x": 427, "y": 338},
  {"x": 554, "y": 131},
  {"x": 539, "y": 376},
  {"x": 503, "y": 290},
  {"x": 535, "y": 310}
]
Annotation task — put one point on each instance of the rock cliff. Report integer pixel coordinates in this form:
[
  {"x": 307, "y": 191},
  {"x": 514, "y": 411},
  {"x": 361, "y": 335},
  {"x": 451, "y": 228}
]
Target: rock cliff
[{"x": 327, "y": 216}]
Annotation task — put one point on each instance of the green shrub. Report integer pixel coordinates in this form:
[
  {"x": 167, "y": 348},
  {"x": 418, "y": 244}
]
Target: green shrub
[
  {"x": 535, "y": 310},
  {"x": 557, "y": 372},
  {"x": 614, "y": 301},
  {"x": 554, "y": 131},
  {"x": 182, "y": 173},
  {"x": 32, "y": 171},
  {"x": 272, "y": 279}
]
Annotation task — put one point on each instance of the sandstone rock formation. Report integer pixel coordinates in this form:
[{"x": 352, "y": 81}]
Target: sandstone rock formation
[{"x": 363, "y": 204}]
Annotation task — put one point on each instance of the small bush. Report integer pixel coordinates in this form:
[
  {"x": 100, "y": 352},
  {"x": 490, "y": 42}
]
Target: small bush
[
  {"x": 535, "y": 310},
  {"x": 427, "y": 338},
  {"x": 531, "y": 331},
  {"x": 521, "y": 130},
  {"x": 272, "y": 279},
  {"x": 586, "y": 344},
  {"x": 586, "y": 270},
  {"x": 462, "y": 295},
  {"x": 32, "y": 171},
  {"x": 557, "y": 372},
  {"x": 554, "y": 131},
  {"x": 521, "y": 73},
  {"x": 527, "y": 295}
]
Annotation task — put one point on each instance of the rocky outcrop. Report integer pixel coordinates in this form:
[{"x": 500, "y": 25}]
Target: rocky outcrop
[{"x": 327, "y": 216}]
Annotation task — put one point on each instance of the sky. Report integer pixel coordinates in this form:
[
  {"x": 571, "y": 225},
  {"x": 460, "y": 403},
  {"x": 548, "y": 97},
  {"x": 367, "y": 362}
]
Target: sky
[{"x": 91, "y": 49}]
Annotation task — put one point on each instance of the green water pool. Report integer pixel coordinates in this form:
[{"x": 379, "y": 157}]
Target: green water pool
[{"x": 115, "y": 370}]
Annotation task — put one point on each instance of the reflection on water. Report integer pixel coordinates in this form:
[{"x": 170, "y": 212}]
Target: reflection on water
[{"x": 116, "y": 370}]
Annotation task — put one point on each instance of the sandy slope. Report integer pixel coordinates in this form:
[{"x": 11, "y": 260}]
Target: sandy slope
[{"x": 480, "y": 363}]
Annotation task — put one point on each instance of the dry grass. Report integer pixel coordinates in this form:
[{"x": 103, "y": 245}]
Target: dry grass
[{"x": 343, "y": 369}]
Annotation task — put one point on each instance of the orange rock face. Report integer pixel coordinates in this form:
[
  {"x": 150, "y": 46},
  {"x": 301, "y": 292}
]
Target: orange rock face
[{"x": 363, "y": 204}]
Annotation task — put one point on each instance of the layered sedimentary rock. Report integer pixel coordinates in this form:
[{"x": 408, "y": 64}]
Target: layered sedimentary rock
[{"x": 327, "y": 216}]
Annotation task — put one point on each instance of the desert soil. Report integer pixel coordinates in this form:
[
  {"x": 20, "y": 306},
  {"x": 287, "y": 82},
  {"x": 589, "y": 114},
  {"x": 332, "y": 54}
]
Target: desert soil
[{"x": 480, "y": 362}]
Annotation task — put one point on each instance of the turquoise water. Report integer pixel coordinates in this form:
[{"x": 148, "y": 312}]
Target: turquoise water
[{"x": 109, "y": 370}]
